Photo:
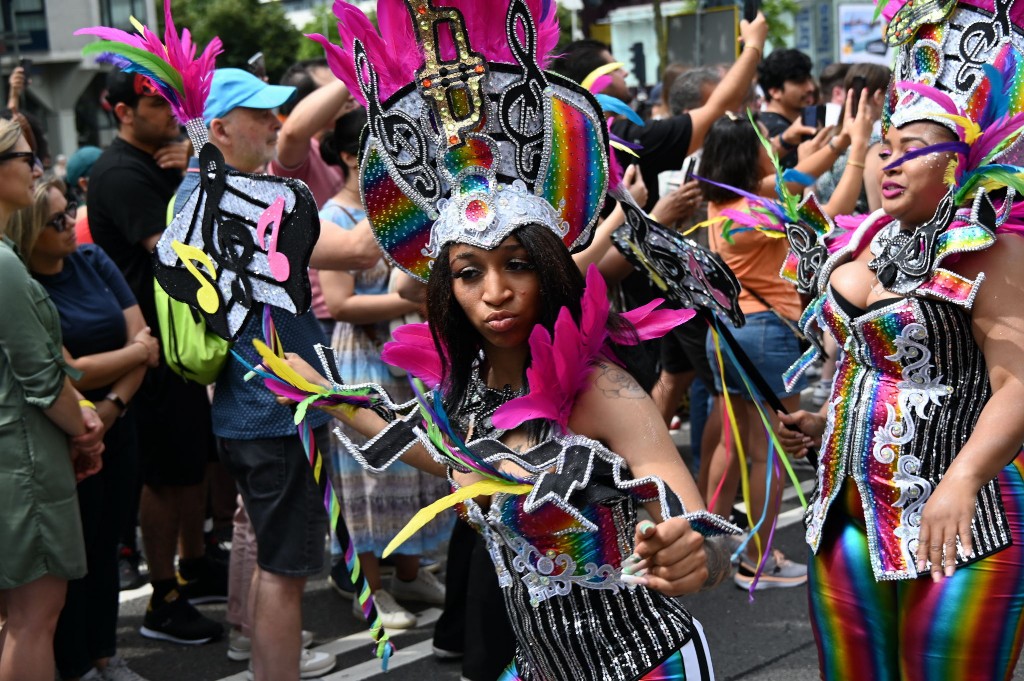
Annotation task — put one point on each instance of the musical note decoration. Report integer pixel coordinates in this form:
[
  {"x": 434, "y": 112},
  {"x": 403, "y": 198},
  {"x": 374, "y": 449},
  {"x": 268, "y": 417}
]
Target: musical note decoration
[
  {"x": 251, "y": 234},
  {"x": 685, "y": 272}
]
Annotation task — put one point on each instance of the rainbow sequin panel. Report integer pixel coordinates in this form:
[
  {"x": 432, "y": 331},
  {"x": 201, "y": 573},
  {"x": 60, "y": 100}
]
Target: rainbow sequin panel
[
  {"x": 400, "y": 226},
  {"x": 864, "y": 419},
  {"x": 576, "y": 175}
]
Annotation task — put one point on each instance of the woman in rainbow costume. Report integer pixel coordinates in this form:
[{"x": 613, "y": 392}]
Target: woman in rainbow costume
[
  {"x": 916, "y": 523},
  {"x": 480, "y": 177}
]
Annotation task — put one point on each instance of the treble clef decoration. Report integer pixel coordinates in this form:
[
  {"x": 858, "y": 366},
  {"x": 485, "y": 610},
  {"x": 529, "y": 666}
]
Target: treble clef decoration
[
  {"x": 977, "y": 42},
  {"x": 521, "y": 107}
]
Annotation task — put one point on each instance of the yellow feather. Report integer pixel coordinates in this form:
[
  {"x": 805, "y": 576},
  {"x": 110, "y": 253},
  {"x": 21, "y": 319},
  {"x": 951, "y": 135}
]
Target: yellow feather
[
  {"x": 137, "y": 24},
  {"x": 622, "y": 147},
  {"x": 283, "y": 371}
]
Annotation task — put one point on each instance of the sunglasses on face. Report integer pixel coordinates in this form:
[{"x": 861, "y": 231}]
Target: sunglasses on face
[
  {"x": 144, "y": 86},
  {"x": 61, "y": 222},
  {"x": 26, "y": 156}
]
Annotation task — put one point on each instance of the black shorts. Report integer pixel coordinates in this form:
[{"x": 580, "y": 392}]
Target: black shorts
[
  {"x": 283, "y": 501},
  {"x": 175, "y": 430},
  {"x": 682, "y": 349}
]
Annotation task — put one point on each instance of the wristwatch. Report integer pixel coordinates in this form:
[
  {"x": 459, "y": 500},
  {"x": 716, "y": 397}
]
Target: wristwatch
[{"x": 121, "y": 405}]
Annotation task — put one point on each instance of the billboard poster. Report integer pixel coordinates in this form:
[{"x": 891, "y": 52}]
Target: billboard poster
[{"x": 860, "y": 38}]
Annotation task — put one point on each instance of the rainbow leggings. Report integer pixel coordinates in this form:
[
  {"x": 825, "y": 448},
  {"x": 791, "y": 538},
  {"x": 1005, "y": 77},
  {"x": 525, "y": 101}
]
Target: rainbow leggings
[
  {"x": 967, "y": 627},
  {"x": 692, "y": 662}
]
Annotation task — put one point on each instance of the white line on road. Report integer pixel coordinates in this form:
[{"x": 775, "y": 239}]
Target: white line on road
[
  {"x": 361, "y": 639},
  {"x": 371, "y": 668}
]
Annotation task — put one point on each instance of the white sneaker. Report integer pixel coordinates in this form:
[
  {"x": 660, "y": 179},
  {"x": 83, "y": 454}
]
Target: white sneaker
[
  {"x": 311, "y": 665},
  {"x": 240, "y": 647},
  {"x": 117, "y": 670},
  {"x": 426, "y": 587},
  {"x": 392, "y": 615}
]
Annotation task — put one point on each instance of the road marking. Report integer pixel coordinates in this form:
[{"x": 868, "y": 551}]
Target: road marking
[
  {"x": 788, "y": 494},
  {"x": 371, "y": 668},
  {"x": 361, "y": 639}
]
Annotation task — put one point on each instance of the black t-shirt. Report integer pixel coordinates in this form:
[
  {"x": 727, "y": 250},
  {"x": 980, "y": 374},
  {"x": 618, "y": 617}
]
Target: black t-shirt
[
  {"x": 127, "y": 200},
  {"x": 666, "y": 143},
  {"x": 776, "y": 125}
]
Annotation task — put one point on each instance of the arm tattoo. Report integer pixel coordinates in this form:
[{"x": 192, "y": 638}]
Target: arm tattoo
[
  {"x": 718, "y": 560},
  {"x": 616, "y": 382}
]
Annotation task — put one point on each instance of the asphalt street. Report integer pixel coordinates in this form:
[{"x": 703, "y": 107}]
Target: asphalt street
[{"x": 768, "y": 639}]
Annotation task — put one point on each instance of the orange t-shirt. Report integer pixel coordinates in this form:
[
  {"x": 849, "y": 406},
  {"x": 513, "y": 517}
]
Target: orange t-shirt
[{"x": 755, "y": 259}]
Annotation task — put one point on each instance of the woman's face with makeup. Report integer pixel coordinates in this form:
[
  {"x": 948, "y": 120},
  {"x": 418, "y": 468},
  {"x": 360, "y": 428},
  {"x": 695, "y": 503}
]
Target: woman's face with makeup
[{"x": 912, "y": 190}]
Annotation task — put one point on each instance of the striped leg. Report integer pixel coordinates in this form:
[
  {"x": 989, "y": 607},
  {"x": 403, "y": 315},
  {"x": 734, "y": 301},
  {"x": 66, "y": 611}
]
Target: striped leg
[
  {"x": 968, "y": 627},
  {"x": 853, "y": 617}
]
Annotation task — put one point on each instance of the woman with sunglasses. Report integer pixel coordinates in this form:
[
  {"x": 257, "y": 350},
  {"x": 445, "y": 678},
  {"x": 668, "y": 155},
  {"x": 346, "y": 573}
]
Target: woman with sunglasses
[
  {"x": 107, "y": 340},
  {"x": 47, "y": 439}
]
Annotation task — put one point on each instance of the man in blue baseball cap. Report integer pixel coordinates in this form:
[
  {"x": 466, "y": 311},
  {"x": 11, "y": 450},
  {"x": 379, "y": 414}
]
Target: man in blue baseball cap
[
  {"x": 256, "y": 436},
  {"x": 233, "y": 88}
]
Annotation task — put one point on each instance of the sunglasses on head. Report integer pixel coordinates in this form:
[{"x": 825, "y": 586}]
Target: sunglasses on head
[
  {"x": 144, "y": 86},
  {"x": 27, "y": 156},
  {"x": 65, "y": 220}
]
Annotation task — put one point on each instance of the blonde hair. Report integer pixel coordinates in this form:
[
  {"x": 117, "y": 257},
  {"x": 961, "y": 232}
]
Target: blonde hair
[
  {"x": 28, "y": 223},
  {"x": 10, "y": 132}
]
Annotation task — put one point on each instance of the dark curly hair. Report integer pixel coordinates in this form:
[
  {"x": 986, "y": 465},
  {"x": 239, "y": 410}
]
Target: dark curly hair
[
  {"x": 732, "y": 155},
  {"x": 783, "y": 65}
]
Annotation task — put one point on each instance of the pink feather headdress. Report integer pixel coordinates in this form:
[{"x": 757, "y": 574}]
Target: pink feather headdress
[
  {"x": 182, "y": 79},
  {"x": 396, "y": 54}
]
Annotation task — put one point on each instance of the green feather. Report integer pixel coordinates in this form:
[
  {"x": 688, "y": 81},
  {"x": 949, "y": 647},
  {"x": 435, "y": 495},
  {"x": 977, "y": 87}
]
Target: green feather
[{"x": 143, "y": 58}]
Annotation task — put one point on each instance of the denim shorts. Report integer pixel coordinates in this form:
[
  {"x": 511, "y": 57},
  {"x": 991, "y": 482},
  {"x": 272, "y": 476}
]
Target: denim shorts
[
  {"x": 282, "y": 500},
  {"x": 771, "y": 347}
]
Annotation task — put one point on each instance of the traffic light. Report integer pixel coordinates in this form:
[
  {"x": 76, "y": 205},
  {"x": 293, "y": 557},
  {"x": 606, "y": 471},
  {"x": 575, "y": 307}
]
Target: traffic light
[{"x": 639, "y": 63}]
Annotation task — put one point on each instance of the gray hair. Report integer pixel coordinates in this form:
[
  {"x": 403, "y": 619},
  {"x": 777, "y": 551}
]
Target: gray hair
[{"x": 686, "y": 92}]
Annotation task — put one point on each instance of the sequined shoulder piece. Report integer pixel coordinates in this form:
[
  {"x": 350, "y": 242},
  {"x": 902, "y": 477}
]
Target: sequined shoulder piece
[{"x": 908, "y": 262}]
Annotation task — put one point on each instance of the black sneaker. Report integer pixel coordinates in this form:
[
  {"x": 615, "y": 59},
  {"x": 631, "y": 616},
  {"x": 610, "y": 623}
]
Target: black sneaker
[
  {"x": 206, "y": 585},
  {"x": 178, "y": 622},
  {"x": 203, "y": 590},
  {"x": 128, "y": 573},
  {"x": 340, "y": 581}
]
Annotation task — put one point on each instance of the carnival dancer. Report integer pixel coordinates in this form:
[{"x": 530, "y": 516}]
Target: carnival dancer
[
  {"x": 551, "y": 443},
  {"x": 915, "y": 524}
]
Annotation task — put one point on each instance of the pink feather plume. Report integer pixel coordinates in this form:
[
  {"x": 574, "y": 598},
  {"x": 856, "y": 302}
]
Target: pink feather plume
[
  {"x": 395, "y": 52},
  {"x": 182, "y": 79},
  {"x": 561, "y": 363},
  {"x": 413, "y": 349}
]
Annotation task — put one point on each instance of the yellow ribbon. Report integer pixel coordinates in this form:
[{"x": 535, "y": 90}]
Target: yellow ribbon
[
  {"x": 427, "y": 513},
  {"x": 600, "y": 71}
]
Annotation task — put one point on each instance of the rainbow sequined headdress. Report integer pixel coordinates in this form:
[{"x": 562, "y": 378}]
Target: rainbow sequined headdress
[
  {"x": 468, "y": 138},
  {"x": 947, "y": 53}
]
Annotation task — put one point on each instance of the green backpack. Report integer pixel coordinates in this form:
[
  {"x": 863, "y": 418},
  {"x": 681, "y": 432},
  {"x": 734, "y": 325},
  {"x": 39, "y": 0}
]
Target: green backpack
[{"x": 190, "y": 350}]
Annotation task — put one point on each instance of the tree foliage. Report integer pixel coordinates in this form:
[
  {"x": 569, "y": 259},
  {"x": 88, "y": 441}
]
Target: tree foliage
[
  {"x": 245, "y": 27},
  {"x": 779, "y": 29}
]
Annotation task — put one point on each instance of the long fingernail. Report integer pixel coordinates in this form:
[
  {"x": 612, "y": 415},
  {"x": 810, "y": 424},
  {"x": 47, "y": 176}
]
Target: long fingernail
[
  {"x": 921, "y": 566},
  {"x": 634, "y": 568},
  {"x": 646, "y": 527},
  {"x": 950, "y": 570},
  {"x": 936, "y": 576},
  {"x": 632, "y": 558},
  {"x": 633, "y": 579}
]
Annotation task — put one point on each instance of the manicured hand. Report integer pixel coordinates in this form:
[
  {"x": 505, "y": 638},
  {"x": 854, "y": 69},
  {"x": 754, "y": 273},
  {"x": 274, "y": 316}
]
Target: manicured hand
[
  {"x": 947, "y": 514},
  {"x": 669, "y": 557}
]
